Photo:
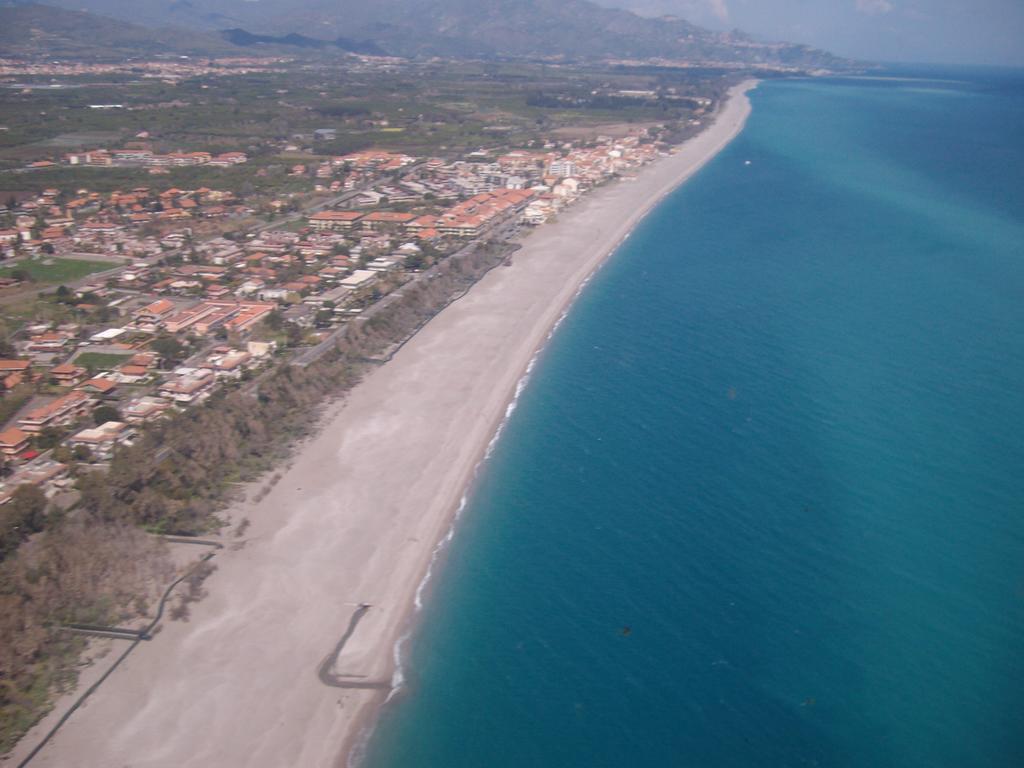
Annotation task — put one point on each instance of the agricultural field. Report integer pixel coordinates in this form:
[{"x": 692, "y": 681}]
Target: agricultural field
[
  {"x": 54, "y": 271},
  {"x": 418, "y": 107}
]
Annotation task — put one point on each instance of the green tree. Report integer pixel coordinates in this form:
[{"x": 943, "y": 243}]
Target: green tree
[
  {"x": 415, "y": 261},
  {"x": 294, "y": 334},
  {"x": 20, "y": 517},
  {"x": 169, "y": 348},
  {"x": 105, "y": 413},
  {"x": 49, "y": 438},
  {"x": 275, "y": 320}
]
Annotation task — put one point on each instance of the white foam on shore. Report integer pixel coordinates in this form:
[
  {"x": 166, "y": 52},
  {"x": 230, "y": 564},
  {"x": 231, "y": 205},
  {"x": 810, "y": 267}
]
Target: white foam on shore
[
  {"x": 398, "y": 675},
  {"x": 509, "y": 410},
  {"x": 569, "y": 306},
  {"x": 358, "y": 751}
]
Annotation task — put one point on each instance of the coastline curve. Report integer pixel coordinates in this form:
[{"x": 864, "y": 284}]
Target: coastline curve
[{"x": 360, "y": 518}]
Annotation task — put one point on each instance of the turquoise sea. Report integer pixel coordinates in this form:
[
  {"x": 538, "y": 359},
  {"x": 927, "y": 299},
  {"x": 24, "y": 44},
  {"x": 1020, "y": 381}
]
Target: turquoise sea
[{"x": 762, "y": 500}]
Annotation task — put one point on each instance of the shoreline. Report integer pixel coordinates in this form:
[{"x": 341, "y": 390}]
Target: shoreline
[
  {"x": 353, "y": 749},
  {"x": 359, "y": 516}
]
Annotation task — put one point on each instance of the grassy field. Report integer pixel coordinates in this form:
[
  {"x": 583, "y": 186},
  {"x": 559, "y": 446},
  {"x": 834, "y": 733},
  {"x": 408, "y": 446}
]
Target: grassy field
[
  {"x": 100, "y": 361},
  {"x": 55, "y": 271}
]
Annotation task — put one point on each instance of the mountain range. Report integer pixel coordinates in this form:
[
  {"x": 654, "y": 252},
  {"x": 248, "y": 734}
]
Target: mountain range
[
  {"x": 41, "y": 30},
  {"x": 555, "y": 29}
]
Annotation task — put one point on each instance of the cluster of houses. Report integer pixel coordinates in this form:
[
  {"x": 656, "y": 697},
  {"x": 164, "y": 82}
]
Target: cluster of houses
[
  {"x": 169, "y": 69},
  {"x": 355, "y": 169},
  {"x": 212, "y": 300},
  {"x": 109, "y": 223},
  {"x": 466, "y": 196},
  {"x": 228, "y": 286},
  {"x": 63, "y": 401},
  {"x": 563, "y": 171},
  {"x": 215, "y": 293},
  {"x": 144, "y": 156},
  {"x": 467, "y": 219}
]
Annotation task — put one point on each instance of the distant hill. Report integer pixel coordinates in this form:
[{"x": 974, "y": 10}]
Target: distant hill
[
  {"x": 243, "y": 38},
  {"x": 575, "y": 29},
  {"x": 42, "y": 29}
]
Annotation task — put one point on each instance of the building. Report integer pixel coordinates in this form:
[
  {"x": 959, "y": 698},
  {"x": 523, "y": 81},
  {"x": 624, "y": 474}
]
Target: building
[
  {"x": 47, "y": 475},
  {"x": 99, "y": 387},
  {"x": 59, "y": 412},
  {"x": 68, "y": 374},
  {"x": 188, "y": 388},
  {"x": 562, "y": 168},
  {"x": 132, "y": 374},
  {"x": 337, "y": 221},
  {"x": 13, "y": 441},
  {"x": 261, "y": 348},
  {"x": 333, "y": 296},
  {"x": 227, "y": 364},
  {"x": 384, "y": 220},
  {"x": 359, "y": 279},
  {"x": 144, "y": 359},
  {"x": 144, "y": 409},
  {"x": 102, "y": 440},
  {"x": 13, "y": 372},
  {"x": 154, "y": 314},
  {"x": 48, "y": 342},
  {"x": 464, "y": 226}
]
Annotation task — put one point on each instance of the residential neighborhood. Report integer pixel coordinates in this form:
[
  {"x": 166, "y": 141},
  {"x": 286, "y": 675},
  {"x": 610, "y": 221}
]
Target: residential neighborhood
[{"x": 185, "y": 303}]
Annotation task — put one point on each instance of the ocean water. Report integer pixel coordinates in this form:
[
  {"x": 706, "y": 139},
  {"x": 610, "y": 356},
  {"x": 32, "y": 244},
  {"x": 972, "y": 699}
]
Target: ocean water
[{"x": 762, "y": 500}]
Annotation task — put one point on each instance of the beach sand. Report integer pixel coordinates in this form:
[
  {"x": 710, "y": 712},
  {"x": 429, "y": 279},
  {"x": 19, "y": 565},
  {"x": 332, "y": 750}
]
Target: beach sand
[{"x": 356, "y": 519}]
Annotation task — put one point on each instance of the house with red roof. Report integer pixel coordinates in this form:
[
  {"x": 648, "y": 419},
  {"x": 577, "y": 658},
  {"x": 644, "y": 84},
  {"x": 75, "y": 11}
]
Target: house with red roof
[
  {"x": 339, "y": 221},
  {"x": 98, "y": 386},
  {"x": 68, "y": 374},
  {"x": 13, "y": 441},
  {"x": 63, "y": 410}
]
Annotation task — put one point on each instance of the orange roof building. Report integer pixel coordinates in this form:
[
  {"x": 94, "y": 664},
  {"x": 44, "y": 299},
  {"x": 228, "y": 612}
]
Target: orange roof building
[{"x": 13, "y": 441}]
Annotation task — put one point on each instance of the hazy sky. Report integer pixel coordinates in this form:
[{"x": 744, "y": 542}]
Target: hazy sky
[{"x": 939, "y": 31}]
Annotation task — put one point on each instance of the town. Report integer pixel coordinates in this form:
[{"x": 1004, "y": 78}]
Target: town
[
  {"x": 216, "y": 233},
  {"x": 180, "y": 304},
  {"x": 200, "y": 254}
]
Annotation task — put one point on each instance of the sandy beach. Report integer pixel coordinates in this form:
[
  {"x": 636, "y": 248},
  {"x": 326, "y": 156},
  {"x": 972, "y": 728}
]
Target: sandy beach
[{"x": 355, "y": 520}]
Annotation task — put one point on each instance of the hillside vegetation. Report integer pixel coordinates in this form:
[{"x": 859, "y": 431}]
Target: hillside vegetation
[
  {"x": 65, "y": 33},
  {"x": 566, "y": 29}
]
